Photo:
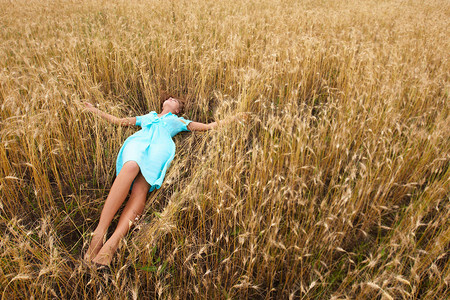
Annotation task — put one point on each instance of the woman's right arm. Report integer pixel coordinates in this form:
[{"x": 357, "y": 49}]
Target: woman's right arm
[{"x": 110, "y": 118}]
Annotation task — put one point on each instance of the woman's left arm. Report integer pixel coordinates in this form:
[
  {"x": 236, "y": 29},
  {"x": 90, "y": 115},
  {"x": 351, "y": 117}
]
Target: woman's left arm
[{"x": 197, "y": 126}]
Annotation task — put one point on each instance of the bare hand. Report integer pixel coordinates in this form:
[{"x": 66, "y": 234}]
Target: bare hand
[
  {"x": 245, "y": 116},
  {"x": 88, "y": 106}
]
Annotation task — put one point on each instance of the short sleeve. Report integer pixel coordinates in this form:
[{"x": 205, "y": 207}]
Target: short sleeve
[
  {"x": 145, "y": 119},
  {"x": 184, "y": 123}
]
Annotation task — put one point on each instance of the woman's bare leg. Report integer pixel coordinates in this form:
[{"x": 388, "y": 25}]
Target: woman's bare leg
[
  {"x": 116, "y": 196},
  {"x": 133, "y": 209}
]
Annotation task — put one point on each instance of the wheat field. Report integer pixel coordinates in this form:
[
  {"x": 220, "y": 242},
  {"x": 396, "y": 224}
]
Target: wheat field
[{"x": 336, "y": 187}]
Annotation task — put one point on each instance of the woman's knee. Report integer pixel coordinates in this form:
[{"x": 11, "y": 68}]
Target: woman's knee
[{"x": 131, "y": 167}]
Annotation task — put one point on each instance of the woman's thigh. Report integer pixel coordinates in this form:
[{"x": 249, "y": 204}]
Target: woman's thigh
[{"x": 140, "y": 187}]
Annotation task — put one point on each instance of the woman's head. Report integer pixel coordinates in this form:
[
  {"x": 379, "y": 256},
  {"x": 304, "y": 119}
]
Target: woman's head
[{"x": 174, "y": 104}]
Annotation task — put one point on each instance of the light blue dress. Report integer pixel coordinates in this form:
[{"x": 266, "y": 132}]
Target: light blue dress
[{"x": 152, "y": 147}]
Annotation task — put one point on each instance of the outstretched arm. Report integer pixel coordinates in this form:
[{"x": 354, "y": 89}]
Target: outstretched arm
[
  {"x": 197, "y": 126},
  {"x": 110, "y": 118}
]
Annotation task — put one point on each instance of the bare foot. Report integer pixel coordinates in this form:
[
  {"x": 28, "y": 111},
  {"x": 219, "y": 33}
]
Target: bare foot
[
  {"x": 94, "y": 247},
  {"x": 106, "y": 253},
  {"x": 103, "y": 258}
]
